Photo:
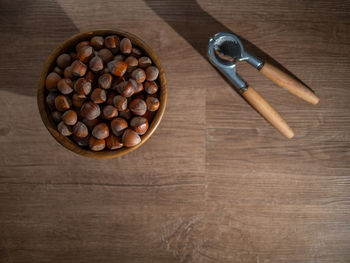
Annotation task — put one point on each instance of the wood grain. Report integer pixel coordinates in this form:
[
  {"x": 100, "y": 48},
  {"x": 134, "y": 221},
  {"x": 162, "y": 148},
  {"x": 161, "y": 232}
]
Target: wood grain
[
  {"x": 215, "y": 182},
  {"x": 289, "y": 83}
]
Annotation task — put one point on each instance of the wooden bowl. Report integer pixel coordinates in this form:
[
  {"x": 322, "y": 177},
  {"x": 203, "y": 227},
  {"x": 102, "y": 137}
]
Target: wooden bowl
[{"x": 68, "y": 45}]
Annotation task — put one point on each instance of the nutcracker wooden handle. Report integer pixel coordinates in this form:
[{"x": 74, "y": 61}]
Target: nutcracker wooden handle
[
  {"x": 264, "y": 108},
  {"x": 289, "y": 83}
]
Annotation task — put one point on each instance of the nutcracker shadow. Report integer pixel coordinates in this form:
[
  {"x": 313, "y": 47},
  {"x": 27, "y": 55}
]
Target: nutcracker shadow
[
  {"x": 196, "y": 26},
  {"x": 29, "y": 33}
]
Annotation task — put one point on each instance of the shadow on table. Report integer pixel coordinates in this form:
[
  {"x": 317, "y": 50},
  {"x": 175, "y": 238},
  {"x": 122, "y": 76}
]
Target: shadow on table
[
  {"x": 196, "y": 26},
  {"x": 29, "y": 32}
]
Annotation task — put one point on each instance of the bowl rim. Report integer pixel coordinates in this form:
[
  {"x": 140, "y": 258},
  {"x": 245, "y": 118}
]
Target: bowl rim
[{"x": 66, "y": 45}]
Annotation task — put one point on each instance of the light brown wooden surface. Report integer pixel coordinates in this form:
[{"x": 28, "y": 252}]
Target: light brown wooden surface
[{"x": 215, "y": 182}]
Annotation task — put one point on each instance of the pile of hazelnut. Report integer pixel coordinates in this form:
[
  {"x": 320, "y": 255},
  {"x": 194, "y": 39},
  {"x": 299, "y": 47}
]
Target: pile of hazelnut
[{"x": 103, "y": 93}]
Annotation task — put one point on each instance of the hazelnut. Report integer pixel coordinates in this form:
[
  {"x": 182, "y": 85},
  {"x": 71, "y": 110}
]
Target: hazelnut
[
  {"x": 64, "y": 129},
  {"x": 63, "y": 60},
  {"x": 117, "y": 68},
  {"x": 136, "y": 52},
  {"x": 138, "y": 75},
  {"x": 132, "y": 63},
  {"x": 152, "y": 73},
  {"x": 113, "y": 142},
  {"x": 125, "y": 89},
  {"x": 100, "y": 131},
  {"x": 105, "y": 81},
  {"x": 112, "y": 42},
  {"x": 130, "y": 138},
  {"x": 82, "y": 142},
  {"x": 139, "y": 124},
  {"x": 56, "y": 116},
  {"x": 82, "y": 86},
  {"x": 125, "y": 46},
  {"x": 152, "y": 103},
  {"x": 81, "y": 44},
  {"x": 90, "y": 110},
  {"x": 91, "y": 76},
  {"x": 65, "y": 86},
  {"x": 67, "y": 73},
  {"x": 80, "y": 130},
  {"x": 120, "y": 102},
  {"x": 78, "y": 68},
  {"x": 58, "y": 70},
  {"x": 96, "y": 64},
  {"x": 90, "y": 124},
  {"x": 110, "y": 97},
  {"x": 138, "y": 106},
  {"x": 51, "y": 81},
  {"x": 96, "y": 144},
  {"x": 144, "y": 62},
  {"x": 126, "y": 114},
  {"x": 105, "y": 54},
  {"x": 78, "y": 100},
  {"x": 97, "y": 42},
  {"x": 138, "y": 88},
  {"x": 85, "y": 53},
  {"x": 151, "y": 87},
  {"x": 62, "y": 103},
  {"x": 119, "y": 57},
  {"x": 70, "y": 117},
  {"x": 118, "y": 125},
  {"x": 109, "y": 112},
  {"x": 98, "y": 95},
  {"x": 50, "y": 100}
]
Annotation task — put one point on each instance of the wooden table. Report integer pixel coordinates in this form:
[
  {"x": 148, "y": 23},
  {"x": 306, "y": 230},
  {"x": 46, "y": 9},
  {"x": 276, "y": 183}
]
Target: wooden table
[{"x": 216, "y": 182}]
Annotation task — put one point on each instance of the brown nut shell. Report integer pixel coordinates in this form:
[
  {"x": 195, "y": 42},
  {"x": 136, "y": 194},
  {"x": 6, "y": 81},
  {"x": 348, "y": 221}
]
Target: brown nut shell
[
  {"x": 80, "y": 130},
  {"x": 78, "y": 68},
  {"x": 114, "y": 142},
  {"x": 96, "y": 144},
  {"x": 139, "y": 75},
  {"x": 138, "y": 106},
  {"x": 90, "y": 110},
  {"x": 97, "y": 42},
  {"x": 118, "y": 125},
  {"x": 151, "y": 87},
  {"x": 120, "y": 102},
  {"x": 152, "y": 103},
  {"x": 125, "y": 46},
  {"x": 130, "y": 138},
  {"x": 63, "y": 60},
  {"x": 62, "y": 103},
  {"x": 51, "y": 81},
  {"x": 64, "y": 129},
  {"x": 98, "y": 95},
  {"x": 100, "y": 131},
  {"x": 105, "y": 54},
  {"x": 96, "y": 64},
  {"x": 65, "y": 86},
  {"x": 139, "y": 125},
  {"x": 152, "y": 73},
  {"x": 109, "y": 112},
  {"x": 70, "y": 117},
  {"x": 105, "y": 81},
  {"x": 144, "y": 62},
  {"x": 82, "y": 86}
]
